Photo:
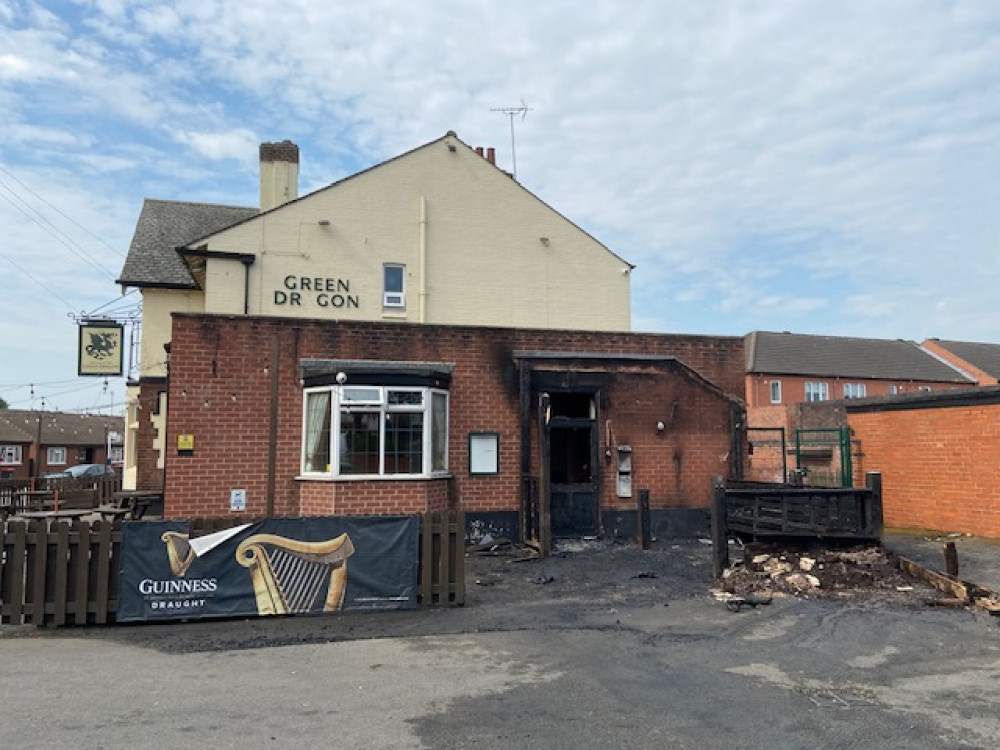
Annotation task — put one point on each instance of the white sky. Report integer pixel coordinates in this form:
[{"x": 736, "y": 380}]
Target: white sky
[{"x": 813, "y": 166}]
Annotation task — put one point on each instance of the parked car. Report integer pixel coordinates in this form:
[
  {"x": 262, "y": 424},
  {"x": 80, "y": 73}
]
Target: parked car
[{"x": 81, "y": 470}]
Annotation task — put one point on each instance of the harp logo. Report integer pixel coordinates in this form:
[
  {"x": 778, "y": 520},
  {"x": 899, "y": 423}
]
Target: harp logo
[{"x": 289, "y": 576}]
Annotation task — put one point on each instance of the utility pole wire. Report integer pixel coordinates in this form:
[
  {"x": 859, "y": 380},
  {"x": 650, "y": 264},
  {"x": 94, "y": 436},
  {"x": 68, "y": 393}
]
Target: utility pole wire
[
  {"x": 68, "y": 218},
  {"x": 54, "y": 231},
  {"x": 43, "y": 286}
]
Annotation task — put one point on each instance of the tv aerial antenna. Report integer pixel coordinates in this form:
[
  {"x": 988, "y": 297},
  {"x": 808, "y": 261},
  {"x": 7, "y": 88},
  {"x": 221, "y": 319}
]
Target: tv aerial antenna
[{"x": 511, "y": 112}]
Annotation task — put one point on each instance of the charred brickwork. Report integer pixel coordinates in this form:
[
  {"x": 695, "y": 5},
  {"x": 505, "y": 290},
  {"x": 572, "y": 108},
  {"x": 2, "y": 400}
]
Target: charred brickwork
[{"x": 668, "y": 397}]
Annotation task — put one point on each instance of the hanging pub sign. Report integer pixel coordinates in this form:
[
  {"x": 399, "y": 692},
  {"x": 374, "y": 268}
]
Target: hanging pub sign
[
  {"x": 278, "y": 566},
  {"x": 100, "y": 350}
]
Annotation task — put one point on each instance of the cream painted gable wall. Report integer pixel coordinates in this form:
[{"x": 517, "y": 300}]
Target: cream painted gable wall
[
  {"x": 469, "y": 236},
  {"x": 157, "y": 306}
]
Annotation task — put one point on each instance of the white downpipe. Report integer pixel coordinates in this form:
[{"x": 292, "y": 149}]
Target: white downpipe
[{"x": 422, "y": 312}]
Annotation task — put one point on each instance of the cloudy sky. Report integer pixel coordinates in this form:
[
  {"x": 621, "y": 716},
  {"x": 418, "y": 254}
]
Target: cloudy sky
[{"x": 819, "y": 167}]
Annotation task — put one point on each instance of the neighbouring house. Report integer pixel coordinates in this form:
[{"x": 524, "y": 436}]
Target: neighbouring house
[
  {"x": 528, "y": 431},
  {"x": 980, "y": 361},
  {"x": 33, "y": 443},
  {"x": 437, "y": 235},
  {"x": 936, "y": 453},
  {"x": 796, "y": 386}
]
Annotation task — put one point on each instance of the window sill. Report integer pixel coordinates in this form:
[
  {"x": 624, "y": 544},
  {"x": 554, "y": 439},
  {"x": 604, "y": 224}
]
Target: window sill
[
  {"x": 371, "y": 478},
  {"x": 394, "y": 314}
]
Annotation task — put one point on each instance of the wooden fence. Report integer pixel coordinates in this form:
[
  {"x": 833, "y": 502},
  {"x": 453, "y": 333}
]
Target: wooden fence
[
  {"x": 781, "y": 511},
  {"x": 80, "y": 492},
  {"x": 66, "y": 573}
]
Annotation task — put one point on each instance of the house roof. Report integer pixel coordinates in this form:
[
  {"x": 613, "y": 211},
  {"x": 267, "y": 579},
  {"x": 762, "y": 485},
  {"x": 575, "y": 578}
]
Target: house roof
[
  {"x": 162, "y": 227},
  {"x": 57, "y": 428},
  {"x": 839, "y": 356},
  {"x": 985, "y": 357}
]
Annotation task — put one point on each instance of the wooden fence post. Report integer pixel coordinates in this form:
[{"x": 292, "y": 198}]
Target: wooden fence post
[
  {"x": 873, "y": 481},
  {"x": 642, "y": 520},
  {"x": 720, "y": 542}
]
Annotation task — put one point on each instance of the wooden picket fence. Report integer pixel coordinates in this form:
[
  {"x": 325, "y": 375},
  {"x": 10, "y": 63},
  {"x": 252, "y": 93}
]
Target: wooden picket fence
[{"x": 66, "y": 573}]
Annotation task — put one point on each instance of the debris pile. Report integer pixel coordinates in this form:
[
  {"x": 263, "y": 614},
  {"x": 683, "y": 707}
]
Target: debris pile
[{"x": 813, "y": 571}]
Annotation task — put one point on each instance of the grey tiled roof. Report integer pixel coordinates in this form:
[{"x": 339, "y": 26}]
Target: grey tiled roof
[
  {"x": 58, "y": 428},
  {"x": 984, "y": 356},
  {"x": 162, "y": 227},
  {"x": 838, "y": 356}
]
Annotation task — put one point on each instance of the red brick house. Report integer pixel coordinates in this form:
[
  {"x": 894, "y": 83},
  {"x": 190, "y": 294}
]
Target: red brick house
[
  {"x": 978, "y": 360},
  {"x": 793, "y": 368},
  {"x": 288, "y": 417},
  {"x": 796, "y": 387},
  {"x": 33, "y": 443}
]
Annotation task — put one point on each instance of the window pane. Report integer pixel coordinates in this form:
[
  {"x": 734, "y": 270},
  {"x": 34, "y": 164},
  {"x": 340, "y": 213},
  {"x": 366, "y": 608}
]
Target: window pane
[
  {"x": 394, "y": 279},
  {"x": 406, "y": 398},
  {"x": 404, "y": 443},
  {"x": 439, "y": 432},
  {"x": 361, "y": 395},
  {"x": 317, "y": 439},
  {"x": 359, "y": 442}
]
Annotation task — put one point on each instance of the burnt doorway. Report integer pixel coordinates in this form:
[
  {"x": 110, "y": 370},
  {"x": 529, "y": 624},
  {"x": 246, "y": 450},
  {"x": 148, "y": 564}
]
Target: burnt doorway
[{"x": 572, "y": 453}]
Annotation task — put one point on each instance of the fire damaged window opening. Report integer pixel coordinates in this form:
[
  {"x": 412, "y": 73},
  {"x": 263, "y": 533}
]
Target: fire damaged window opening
[{"x": 373, "y": 431}]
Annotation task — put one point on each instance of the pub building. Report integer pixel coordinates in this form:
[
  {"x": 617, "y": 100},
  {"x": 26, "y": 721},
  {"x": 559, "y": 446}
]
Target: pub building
[{"x": 425, "y": 334}]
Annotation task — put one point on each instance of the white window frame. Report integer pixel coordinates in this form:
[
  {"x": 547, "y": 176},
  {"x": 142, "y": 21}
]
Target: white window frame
[
  {"x": 394, "y": 298},
  {"x": 855, "y": 390},
  {"x": 367, "y": 398},
  {"x": 55, "y": 456},
  {"x": 893, "y": 389},
  {"x": 817, "y": 390},
  {"x": 775, "y": 391},
  {"x": 10, "y": 455}
]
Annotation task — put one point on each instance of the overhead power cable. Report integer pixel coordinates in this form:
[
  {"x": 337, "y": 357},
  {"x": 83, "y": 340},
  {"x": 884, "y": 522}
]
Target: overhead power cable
[
  {"x": 43, "y": 286},
  {"x": 53, "y": 231},
  {"x": 68, "y": 218}
]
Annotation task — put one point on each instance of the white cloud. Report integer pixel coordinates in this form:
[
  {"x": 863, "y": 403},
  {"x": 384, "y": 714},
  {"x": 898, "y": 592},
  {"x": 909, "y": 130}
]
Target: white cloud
[{"x": 235, "y": 144}]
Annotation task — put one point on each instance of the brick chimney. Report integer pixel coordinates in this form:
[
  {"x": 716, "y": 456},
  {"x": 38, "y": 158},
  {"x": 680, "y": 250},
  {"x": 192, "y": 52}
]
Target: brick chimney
[{"x": 279, "y": 174}]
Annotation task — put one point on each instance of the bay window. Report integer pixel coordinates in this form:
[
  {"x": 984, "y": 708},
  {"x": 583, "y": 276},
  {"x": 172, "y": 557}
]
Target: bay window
[{"x": 375, "y": 431}]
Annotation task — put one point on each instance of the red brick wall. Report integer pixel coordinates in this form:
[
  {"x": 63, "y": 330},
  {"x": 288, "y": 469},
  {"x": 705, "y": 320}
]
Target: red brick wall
[
  {"x": 359, "y": 497},
  {"x": 220, "y": 392},
  {"x": 674, "y": 464},
  {"x": 939, "y": 466}
]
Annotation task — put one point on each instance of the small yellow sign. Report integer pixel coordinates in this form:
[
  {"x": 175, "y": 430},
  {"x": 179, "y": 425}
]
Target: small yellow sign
[{"x": 185, "y": 442}]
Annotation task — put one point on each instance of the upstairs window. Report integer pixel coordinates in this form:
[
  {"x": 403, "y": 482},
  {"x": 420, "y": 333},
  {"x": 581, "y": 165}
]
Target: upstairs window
[
  {"x": 393, "y": 285},
  {"x": 10, "y": 455},
  {"x": 817, "y": 391},
  {"x": 775, "y": 391},
  {"x": 855, "y": 390},
  {"x": 55, "y": 456}
]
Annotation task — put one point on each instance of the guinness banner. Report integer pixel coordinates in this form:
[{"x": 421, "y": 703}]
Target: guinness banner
[{"x": 272, "y": 567}]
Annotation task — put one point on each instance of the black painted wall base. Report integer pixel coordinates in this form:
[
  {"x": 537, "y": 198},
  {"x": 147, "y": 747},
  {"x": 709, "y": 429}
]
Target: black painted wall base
[{"x": 672, "y": 523}]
